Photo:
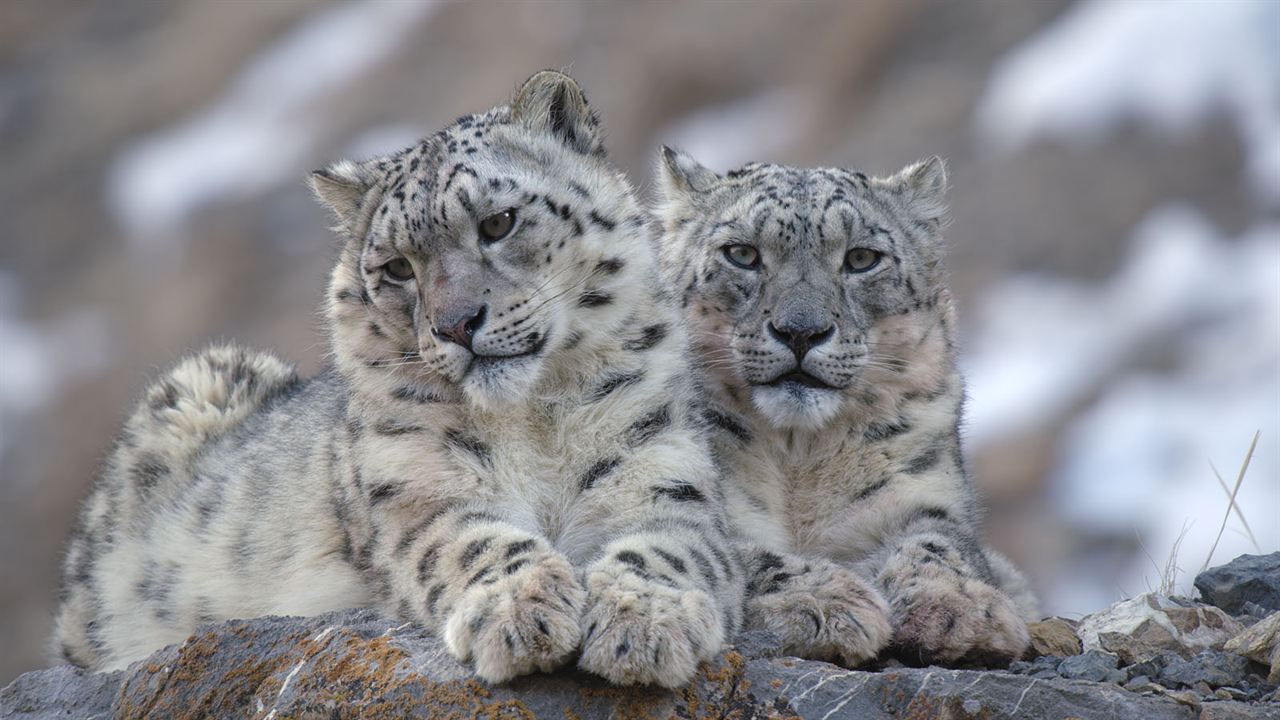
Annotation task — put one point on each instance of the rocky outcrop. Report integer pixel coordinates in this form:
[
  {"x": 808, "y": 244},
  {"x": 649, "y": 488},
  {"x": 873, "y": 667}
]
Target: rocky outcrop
[
  {"x": 1250, "y": 584},
  {"x": 1183, "y": 649},
  {"x": 1148, "y": 625},
  {"x": 356, "y": 664},
  {"x": 1150, "y": 657}
]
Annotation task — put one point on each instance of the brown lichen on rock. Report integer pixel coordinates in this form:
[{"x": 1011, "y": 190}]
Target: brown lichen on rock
[
  {"x": 714, "y": 693},
  {"x": 186, "y": 688},
  {"x": 339, "y": 672},
  {"x": 629, "y": 703}
]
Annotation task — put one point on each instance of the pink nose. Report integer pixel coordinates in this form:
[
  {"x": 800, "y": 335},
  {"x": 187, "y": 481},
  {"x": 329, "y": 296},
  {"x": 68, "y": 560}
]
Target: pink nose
[
  {"x": 801, "y": 339},
  {"x": 461, "y": 326}
]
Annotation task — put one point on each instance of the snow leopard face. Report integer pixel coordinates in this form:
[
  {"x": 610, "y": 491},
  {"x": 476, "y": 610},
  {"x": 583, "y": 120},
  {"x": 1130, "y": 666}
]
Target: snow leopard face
[
  {"x": 800, "y": 284},
  {"x": 475, "y": 256}
]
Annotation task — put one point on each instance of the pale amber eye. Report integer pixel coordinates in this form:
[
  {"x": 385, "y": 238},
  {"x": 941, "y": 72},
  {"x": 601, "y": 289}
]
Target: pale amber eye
[
  {"x": 744, "y": 256},
  {"x": 399, "y": 270},
  {"x": 861, "y": 260},
  {"x": 496, "y": 227}
]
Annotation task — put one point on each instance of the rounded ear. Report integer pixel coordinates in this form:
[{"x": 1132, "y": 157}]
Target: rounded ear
[
  {"x": 681, "y": 177},
  {"x": 342, "y": 187},
  {"x": 923, "y": 187},
  {"x": 553, "y": 102}
]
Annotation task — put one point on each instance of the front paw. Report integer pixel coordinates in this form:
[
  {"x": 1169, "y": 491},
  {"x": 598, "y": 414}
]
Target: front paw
[
  {"x": 639, "y": 631},
  {"x": 822, "y": 612},
  {"x": 519, "y": 623},
  {"x": 946, "y": 618}
]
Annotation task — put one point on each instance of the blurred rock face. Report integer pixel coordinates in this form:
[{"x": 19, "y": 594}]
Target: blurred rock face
[{"x": 151, "y": 196}]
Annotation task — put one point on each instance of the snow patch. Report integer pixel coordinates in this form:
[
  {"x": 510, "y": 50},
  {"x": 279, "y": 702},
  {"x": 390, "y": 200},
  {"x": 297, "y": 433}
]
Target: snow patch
[
  {"x": 264, "y": 127},
  {"x": 1166, "y": 65},
  {"x": 37, "y": 363},
  {"x": 1138, "y": 457}
]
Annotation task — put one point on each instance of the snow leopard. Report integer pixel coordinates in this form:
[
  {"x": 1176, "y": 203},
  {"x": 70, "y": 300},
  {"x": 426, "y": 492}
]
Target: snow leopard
[
  {"x": 508, "y": 447},
  {"x": 818, "y": 303}
]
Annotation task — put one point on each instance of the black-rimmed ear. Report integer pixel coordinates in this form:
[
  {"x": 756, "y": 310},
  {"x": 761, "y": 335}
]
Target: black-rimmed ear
[
  {"x": 551, "y": 101},
  {"x": 681, "y": 177},
  {"x": 923, "y": 187},
  {"x": 342, "y": 188}
]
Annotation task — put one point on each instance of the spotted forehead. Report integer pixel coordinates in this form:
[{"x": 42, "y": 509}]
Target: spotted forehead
[
  {"x": 419, "y": 171},
  {"x": 423, "y": 180},
  {"x": 803, "y": 207}
]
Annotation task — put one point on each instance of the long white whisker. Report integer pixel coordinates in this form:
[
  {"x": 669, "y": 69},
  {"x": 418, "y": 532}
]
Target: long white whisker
[{"x": 562, "y": 293}]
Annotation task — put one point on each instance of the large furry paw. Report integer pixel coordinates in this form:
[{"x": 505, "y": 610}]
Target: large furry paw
[
  {"x": 639, "y": 631},
  {"x": 519, "y": 623},
  {"x": 944, "y": 617},
  {"x": 822, "y": 612}
]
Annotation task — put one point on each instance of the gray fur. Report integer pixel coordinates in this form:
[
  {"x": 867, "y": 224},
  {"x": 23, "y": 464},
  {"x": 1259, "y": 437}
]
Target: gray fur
[
  {"x": 542, "y": 491},
  {"x": 858, "y": 461}
]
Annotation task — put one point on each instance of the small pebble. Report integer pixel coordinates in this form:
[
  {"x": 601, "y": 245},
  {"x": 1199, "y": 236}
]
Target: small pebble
[
  {"x": 1150, "y": 668},
  {"x": 1047, "y": 661},
  {"x": 1229, "y": 693},
  {"x": 1186, "y": 697},
  {"x": 1116, "y": 677},
  {"x": 1150, "y": 687},
  {"x": 1140, "y": 682},
  {"x": 1254, "y": 610},
  {"x": 1019, "y": 667},
  {"x": 1094, "y": 665}
]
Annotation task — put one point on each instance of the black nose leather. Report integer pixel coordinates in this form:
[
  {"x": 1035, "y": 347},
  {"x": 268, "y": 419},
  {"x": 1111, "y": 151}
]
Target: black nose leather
[
  {"x": 460, "y": 326},
  {"x": 801, "y": 339}
]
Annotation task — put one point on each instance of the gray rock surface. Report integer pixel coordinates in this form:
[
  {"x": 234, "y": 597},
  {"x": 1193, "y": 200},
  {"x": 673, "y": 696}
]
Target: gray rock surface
[
  {"x": 60, "y": 692},
  {"x": 1093, "y": 665},
  {"x": 1216, "y": 669},
  {"x": 1247, "y": 579},
  {"x": 354, "y": 664}
]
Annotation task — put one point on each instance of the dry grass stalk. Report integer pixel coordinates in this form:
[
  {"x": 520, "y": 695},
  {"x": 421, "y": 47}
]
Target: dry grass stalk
[
  {"x": 1235, "y": 506},
  {"x": 1244, "y": 467}
]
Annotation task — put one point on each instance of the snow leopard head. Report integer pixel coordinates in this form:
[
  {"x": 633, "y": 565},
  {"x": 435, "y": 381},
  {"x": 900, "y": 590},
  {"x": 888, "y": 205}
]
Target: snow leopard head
[
  {"x": 804, "y": 286},
  {"x": 475, "y": 257}
]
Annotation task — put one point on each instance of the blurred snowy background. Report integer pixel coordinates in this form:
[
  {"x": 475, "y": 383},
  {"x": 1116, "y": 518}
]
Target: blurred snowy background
[{"x": 1116, "y": 235}]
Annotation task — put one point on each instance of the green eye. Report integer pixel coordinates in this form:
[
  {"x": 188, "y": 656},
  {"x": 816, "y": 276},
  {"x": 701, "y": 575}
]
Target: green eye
[
  {"x": 398, "y": 270},
  {"x": 496, "y": 227},
  {"x": 860, "y": 260},
  {"x": 744, "y": 256}
]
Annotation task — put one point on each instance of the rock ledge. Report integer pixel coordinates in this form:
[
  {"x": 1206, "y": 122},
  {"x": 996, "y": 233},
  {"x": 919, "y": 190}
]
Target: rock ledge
[{"x": 355, "y": 664}]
